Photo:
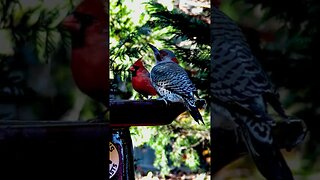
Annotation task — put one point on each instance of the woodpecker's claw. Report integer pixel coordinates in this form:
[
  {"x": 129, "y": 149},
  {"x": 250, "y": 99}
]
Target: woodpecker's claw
[{"x": 162, "y": 99}]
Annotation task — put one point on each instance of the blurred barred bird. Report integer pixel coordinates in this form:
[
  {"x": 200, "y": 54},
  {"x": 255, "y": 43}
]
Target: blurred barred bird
[
  {"x": 141, "y": 81},
  {"x": 238, "y": 80},
  {"x": 172, "y": 82}
]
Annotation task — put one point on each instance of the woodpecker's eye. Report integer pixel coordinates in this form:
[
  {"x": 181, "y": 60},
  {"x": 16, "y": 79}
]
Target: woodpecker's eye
[{"x": 163, "y": 53}]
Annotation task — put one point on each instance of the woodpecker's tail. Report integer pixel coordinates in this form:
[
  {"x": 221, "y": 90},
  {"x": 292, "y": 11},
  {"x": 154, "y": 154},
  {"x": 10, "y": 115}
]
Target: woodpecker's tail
[
  {"x": 266, "y": 156},
  {"x": 194, "y": 112}
]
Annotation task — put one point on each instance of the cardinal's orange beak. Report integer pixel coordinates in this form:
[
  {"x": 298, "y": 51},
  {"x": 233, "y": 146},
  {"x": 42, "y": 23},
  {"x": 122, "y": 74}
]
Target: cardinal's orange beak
[
  {"x": 71, "y": 23},
  {"x": 131, "y": 68}
]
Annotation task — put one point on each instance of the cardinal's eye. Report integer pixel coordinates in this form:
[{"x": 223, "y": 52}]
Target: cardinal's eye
[
  {"x": 84, "y": 19},
  {"x": 135, "y": 67}
]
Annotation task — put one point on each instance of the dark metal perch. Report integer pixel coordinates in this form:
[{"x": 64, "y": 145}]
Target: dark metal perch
[
  {"x": 125, "y": 113},
  {"x": 53, "y": 150}
]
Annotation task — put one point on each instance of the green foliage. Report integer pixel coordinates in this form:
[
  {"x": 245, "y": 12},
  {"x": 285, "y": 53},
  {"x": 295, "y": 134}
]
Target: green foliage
[
  {"x": 174, "y": 144},
  {"x": 35, "y": 77},
  {"x": 184, "y": 25},
  {"x": 127, "y": 40},
  {"x": 35, "y": 22}
]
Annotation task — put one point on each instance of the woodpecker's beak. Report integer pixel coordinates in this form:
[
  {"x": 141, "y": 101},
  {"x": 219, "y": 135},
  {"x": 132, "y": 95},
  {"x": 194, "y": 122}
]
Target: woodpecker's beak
[
  {"x": 153, "y": 48},
  {"x": 156, "y": 52}
]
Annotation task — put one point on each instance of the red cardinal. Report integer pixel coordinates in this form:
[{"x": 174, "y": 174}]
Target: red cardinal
[
  {"x": 89, "y": 65},
  {"x": 141, "y": 81}
]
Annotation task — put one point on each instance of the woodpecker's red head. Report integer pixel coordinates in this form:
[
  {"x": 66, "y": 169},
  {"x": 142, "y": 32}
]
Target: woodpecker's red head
[{"x": 163, "y": 54}]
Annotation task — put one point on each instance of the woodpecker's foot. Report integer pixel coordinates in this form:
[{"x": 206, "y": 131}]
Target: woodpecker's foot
[{"x": 163, "y": 99}]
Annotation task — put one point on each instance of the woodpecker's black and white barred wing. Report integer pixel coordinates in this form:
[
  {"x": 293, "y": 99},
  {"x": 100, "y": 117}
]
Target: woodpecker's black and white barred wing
[
  {"x": 237, "y": 77},
  {"x": 172, "y": 83},
  {"x": 172, "y": 78},
  {"x": 236, "y": 73},
  {"x": 224, "y": 27}
]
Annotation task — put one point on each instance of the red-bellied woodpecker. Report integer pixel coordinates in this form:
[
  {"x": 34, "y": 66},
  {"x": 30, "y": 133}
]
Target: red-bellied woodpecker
[
  {"x": 172, "y": 82},
  {"x": 141, "y": 81},
  {"x": 237, "y": 80}
]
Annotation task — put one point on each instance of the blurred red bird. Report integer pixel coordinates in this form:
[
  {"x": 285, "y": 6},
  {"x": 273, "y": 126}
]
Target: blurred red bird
[
  {"x": 141, "y": 81},
  {"x": 88, "y": 26}
]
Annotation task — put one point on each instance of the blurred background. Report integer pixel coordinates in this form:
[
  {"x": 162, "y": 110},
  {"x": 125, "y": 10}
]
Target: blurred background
[
  {"x": 284, "y": 36},
  {"x": 36, "y": 85},
  {"x": 35, "y": 76}
]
